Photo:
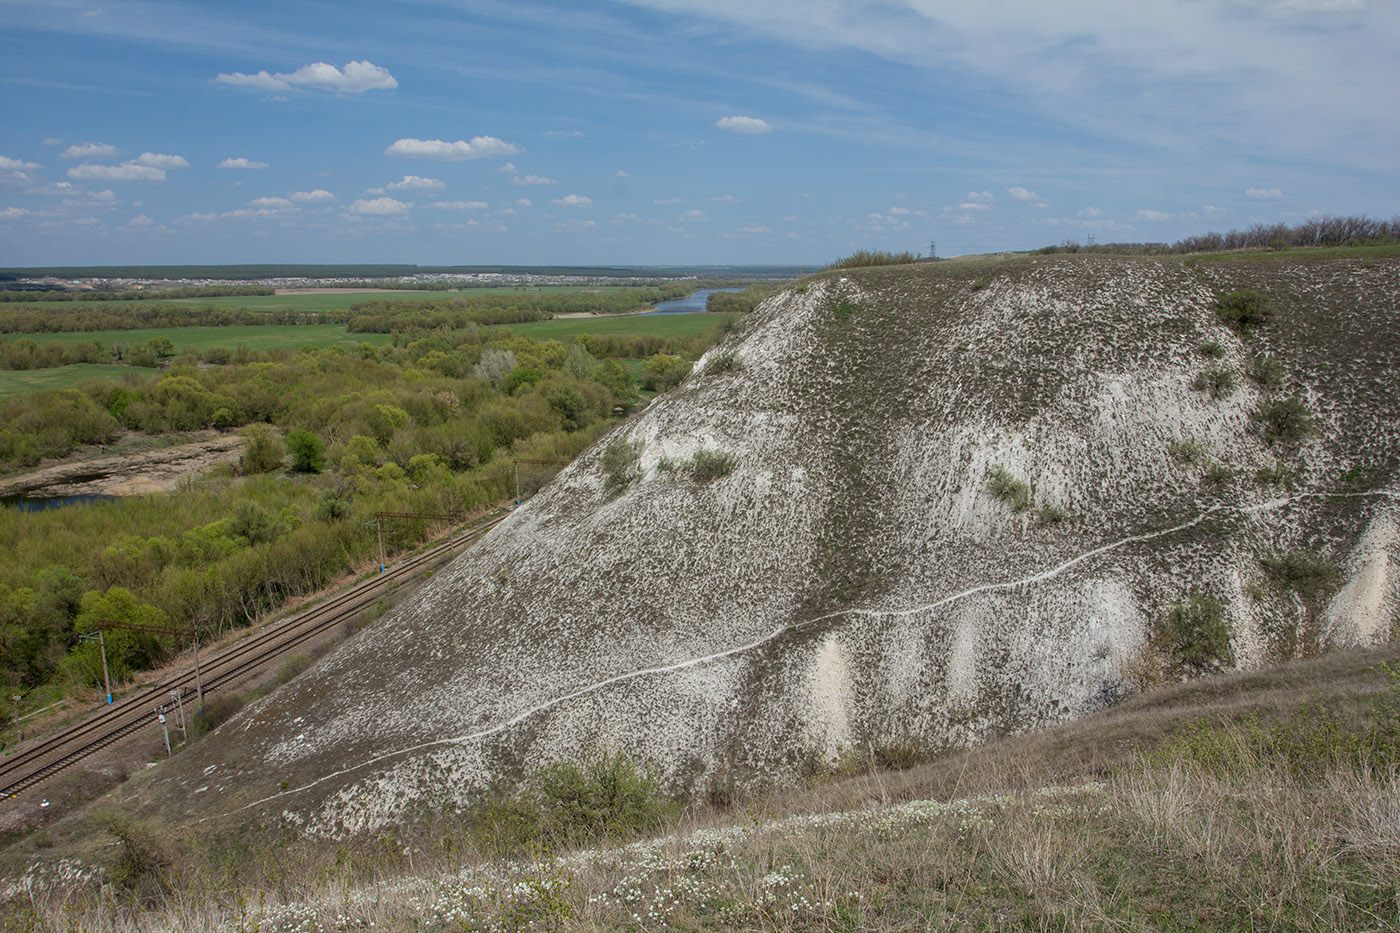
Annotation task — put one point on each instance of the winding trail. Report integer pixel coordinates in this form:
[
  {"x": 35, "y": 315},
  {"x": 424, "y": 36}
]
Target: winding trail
[{"x": 1042, "y": 576}]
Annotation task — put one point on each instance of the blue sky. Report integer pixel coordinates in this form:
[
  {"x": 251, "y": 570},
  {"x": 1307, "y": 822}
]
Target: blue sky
[{"x": 678, "y": 131}]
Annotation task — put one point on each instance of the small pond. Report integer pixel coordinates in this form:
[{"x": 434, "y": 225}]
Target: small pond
[{"x": 37, "y": 502}]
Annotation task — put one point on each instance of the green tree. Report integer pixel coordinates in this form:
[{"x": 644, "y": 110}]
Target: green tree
[
  {"x": 1244, "y": 309},
  {"x": 664, "y": 371},
  {"x": 1195, "y": 636},
  {"x": 307, "y": 450},
  {"x": 570, "y": 405},
  {"x": 263, "y": 451}
]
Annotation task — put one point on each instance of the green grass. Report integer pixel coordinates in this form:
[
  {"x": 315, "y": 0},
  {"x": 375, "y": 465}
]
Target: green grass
[
  {"x": 1308, "y": 254},
  {"x": 625, "y": 325},
  {"x": 252, "y": 336},
  {"x": 25, "y": 381},
  {"x": 337, "y": 301}
]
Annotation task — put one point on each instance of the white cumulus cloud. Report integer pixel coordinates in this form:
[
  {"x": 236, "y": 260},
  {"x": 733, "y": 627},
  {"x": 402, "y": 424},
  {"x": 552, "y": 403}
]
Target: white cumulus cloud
[
  {"x": 89, "y": 151},
  {"x": 480, "y": 147},
  {"x": 161, "y": 161},
  {"x": 354, "y": 78},
  {"x": 416, "y": 183},
  {"x": 622, "y": 174},
  {"x": 534, "y": 180},
  {"x": 241, "y": 162},
  {"x": 573, "y": 200},
  {"x": 277, "y": 204},
  {"x": 15, "y": 165},
  {"x": 694, "y": 215},
  {"x": 13, "y": 213},
  {"x": 744, "y": 125},
  {"x": 129, "y": 171},
  {"x": 727, "y": 199},
  {"x": 379, "y": 206},
  {"x": 1019, "y": 193},
  {"x": 1153, "y": 215},
  {"x": 1263, "y": 194},
  {"x": 460, "y": 205},
  {"x": 312, "y": 197}
]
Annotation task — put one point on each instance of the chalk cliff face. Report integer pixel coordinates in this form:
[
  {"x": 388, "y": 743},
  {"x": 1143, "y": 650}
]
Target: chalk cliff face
[{"x": 854, "y": 579}]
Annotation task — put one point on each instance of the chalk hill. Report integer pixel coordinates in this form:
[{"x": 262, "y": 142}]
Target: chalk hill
[{"x": 924, "y": 504}]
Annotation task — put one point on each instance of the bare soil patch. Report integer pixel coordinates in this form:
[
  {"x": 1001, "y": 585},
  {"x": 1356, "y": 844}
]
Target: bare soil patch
[{"x": 133, "y": 473}]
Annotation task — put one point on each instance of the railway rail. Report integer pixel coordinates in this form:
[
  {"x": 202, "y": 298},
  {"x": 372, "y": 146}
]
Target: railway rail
[{"x": 52, "y": 754}]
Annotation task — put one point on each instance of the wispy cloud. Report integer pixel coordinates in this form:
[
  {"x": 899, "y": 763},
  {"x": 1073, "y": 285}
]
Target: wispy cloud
[
  {"x": 573, "y": 200},
  {"x": 312, "y": 197},
  {"x": 480, "y": 147},
  {"x": 416, "y": 183},
  {"x": 460, "y": 205},
  {"x": 355, "y": 78},
  {"x": 1263, "y": 194},
  {"x": 380, "y": 206},
  {"x": 157, "y": 160},
  {"x": 241, "y": 162},
  {"x": 534, "y": 180},
  {"x": 1027, "y": 196},
  {"x": 89, "y": 151},
  {"x": 128, "y": 171},
  {"x": 744, "y": 125}
]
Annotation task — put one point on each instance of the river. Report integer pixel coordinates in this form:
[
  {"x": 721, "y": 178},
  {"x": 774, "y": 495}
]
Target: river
[{"x": 690, "y": 304}]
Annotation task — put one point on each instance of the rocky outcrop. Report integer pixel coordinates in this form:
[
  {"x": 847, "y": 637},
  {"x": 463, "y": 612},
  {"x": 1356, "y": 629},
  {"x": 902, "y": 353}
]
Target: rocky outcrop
[{"x": 932, "y": 504}]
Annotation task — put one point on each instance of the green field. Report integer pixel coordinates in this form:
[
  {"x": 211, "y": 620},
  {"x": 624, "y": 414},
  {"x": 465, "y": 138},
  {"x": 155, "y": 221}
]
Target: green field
[
  {"x": 625, "y": 325},
  {"x": 335, "y": 301},
  {"x": 25, "y": 381},
  {"x": 254, "y": 337}
]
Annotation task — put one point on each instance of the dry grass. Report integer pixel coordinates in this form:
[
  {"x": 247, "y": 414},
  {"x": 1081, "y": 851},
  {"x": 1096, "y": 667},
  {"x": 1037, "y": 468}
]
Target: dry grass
[{"x": 1116, "y": 822}]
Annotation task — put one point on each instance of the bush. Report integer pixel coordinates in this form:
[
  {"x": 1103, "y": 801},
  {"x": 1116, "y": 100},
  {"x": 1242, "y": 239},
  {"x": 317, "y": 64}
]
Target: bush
[
  {"x": 1218, "y": 381},
  {"x": 1211, "y": 349},
  {"x": 707, "y": 465},
  {"x": 663, "y": 372},
  {"x": 141, "y": 864},
  {"x": 218, "y": 709},
  {"x": 1265, "y": 370},
  {"x": 868, "y": 257},
  {"x": 620, "y": 467},
  {"x": 1196, "y": 638},
  {"x": 1244, "y": 309},
  {"x": 307, "y": 450},
  {"x": 1277, "y": 474},
  {"x": 607, "y": 796},
  {"x": 1009, "y": 490},
  {"x": 1285, "y": 421},
  {"x": 1186, "y": 450},
  {"x": 1309, "y": 575},
  {"x": 263, "y": 452},
  {"x": 722, "y": 363}
]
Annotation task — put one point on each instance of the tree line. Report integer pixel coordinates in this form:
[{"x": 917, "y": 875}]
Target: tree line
[
  {"x": 1319, "y": 231},
  {"x": 194, "y": 291}
]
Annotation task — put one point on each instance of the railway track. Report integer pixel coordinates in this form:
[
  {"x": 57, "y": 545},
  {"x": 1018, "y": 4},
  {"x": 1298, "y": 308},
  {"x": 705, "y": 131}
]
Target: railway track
[{"x": 47, "y": 757}]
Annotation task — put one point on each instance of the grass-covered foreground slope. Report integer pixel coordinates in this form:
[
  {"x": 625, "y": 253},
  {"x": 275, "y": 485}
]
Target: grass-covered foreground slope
[
  {"x": 915, "y": 506},
  {"x": 1258, "y": 800}
]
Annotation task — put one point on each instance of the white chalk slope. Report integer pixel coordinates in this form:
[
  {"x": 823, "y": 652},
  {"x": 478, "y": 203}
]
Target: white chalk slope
[{"x": 852, "y": 581}]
